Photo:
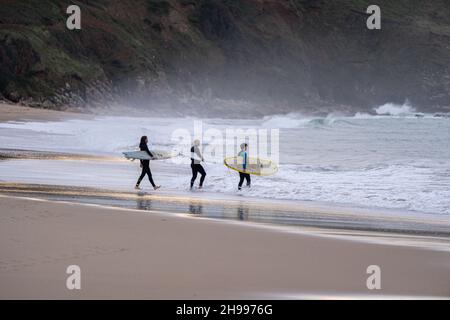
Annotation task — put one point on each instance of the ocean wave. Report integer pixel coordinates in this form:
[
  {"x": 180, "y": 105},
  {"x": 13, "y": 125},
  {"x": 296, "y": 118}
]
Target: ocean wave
[
  {"x": 392, "y": 109},
  {"x": 401, "y": 110},
  {"x": 385, "y": 111},
  {"x": 297, "y": 120}
]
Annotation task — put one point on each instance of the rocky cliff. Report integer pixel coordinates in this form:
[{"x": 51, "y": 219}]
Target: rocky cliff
[{"x": 187, "y": 56}]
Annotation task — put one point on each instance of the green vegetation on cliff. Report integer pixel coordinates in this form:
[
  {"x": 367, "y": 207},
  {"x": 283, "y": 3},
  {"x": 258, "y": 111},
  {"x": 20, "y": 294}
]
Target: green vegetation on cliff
[{"x": 286, "y": 53}]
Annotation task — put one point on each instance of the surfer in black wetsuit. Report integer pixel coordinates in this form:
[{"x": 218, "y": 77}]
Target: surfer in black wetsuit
[
  {"x": 244, "y": 175},
  {"x": 196, "y": 159},
  {"x": 145, "y": 165}
]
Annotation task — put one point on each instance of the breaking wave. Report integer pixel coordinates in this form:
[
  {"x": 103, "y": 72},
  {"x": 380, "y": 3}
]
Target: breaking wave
[
  {"x": 385, "y": 111},
  {"x": 392, "y": 109}
]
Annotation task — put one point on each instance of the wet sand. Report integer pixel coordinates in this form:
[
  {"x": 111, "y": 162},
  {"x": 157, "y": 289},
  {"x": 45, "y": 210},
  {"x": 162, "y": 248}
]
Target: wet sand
[
  {"x": 244, "y": 209},
  {"x": 150, "y": 255},
  {"x": 6, "y": 153}
]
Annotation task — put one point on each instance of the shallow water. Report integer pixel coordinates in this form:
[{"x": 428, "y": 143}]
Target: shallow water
[{"x": 400, "y": 161}]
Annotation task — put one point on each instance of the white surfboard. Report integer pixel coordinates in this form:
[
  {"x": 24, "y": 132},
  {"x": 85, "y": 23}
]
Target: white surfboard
[{"x": 142, "y": 155}]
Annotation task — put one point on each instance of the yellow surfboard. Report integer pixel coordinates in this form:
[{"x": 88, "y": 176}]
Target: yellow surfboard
[{"x": 256, "y": 166}]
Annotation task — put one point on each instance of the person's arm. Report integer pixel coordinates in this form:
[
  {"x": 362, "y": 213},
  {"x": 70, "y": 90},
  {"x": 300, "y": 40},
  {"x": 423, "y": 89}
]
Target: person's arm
[
  {"x": 245, "y": 161},
  {"x": 148, "y": 151},
  {"x": 198, "y": 153}
]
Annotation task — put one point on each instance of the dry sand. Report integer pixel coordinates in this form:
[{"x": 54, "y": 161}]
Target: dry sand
[{"x": 148, "y": 255}]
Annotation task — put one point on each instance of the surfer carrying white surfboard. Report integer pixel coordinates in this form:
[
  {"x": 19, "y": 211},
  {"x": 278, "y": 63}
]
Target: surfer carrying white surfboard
[
  {"x": 196, "y": 159},
  {"x": 145, "y": 164},
  {"x": 243, "y": 175}
]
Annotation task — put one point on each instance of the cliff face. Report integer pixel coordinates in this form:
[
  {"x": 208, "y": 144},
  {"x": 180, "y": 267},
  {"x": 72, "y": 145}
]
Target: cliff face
[{"x": 281, "y": 55}]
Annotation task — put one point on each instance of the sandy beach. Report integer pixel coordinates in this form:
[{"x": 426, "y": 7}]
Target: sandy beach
[
  {"x": 10, "y": 112},
  {"x": 131, "y": 254},
  {"x": 164, "y": 251}
]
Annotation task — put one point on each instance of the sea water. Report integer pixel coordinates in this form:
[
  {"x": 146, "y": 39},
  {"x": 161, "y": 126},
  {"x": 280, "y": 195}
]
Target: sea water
[{"x": 394, "y": 158}]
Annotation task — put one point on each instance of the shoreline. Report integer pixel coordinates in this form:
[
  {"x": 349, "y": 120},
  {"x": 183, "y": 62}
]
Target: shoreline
[
  {"x": 17, "y": 112},
  {"x": 132, "y": 254},
  {"x": 30, "y": 181},
  {"x": 433, "y": 241},
  {"x": 60, "y": 165},
  {"x": 249, "y": 210}
]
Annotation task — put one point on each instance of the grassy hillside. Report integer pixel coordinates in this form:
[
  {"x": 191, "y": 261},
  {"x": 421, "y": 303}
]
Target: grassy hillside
[{"x": 280, "y": 54}]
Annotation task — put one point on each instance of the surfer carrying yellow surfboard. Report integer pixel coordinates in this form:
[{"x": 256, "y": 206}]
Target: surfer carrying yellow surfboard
[{"x": 243, "y": 175}]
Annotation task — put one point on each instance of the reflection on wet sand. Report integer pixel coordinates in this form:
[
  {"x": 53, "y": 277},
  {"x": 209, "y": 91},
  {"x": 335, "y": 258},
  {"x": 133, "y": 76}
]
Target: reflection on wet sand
[
  {"x": 242, "y": 213},
  {"x": 286, "y": 214},
  {"x": 195, "y": 209},
  {"x": 143, "y": 203}
]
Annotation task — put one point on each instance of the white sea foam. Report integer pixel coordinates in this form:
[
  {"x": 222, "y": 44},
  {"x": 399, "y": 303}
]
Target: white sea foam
[
  {"x": 393, "y": 109},
  {"x": 386, "y": 161}
]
